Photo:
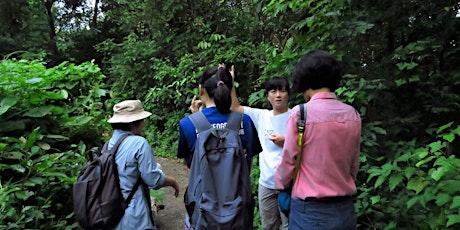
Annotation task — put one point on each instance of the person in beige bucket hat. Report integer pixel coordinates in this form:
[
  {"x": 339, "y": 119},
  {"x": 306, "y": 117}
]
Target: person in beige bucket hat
[
  {"x": 128, "y": 111},
  {"x": 135, "y": 160}
]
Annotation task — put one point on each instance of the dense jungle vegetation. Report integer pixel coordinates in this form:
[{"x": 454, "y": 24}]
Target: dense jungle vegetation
[{"x": 64, "y": 63}]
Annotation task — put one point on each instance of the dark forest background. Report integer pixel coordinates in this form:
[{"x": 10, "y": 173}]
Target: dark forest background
[{"x": 64, "y": 63}]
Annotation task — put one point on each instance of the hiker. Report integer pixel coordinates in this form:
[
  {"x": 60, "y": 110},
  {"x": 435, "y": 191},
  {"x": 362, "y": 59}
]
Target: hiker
[
  {"x": 270, "y": 125},
  {"x": 135, "y": 159},
  {"x": 215, "y": 86},
  {"x": 322, "y": 196}
]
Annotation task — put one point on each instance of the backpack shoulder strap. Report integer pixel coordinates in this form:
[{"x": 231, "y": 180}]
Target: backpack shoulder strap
[
  {"x": 114, "y": 152},
  {"x": 117, "y": 144},
  {"x": 301, "y": 122},
  {"x": 301, "y": 129},
  {"x": 200, "y": 122},
  {"x": 234, "y": 121}
]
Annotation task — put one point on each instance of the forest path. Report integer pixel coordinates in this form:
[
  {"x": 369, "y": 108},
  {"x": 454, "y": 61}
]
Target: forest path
[{"x": 173, "y": 214}]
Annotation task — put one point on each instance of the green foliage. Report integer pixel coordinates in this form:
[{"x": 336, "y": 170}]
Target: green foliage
[
  {"x": 35, "y": 183},
  {"x": 48, "y": 117},
  {"x": 418, "y": 187},
  {"x": 64, "y": 100},
  {"x": 400, "y": 63}
]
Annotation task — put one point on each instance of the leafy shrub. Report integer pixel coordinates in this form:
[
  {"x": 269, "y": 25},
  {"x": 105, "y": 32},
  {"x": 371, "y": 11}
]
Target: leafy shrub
[{"x": 48, "y": 117}]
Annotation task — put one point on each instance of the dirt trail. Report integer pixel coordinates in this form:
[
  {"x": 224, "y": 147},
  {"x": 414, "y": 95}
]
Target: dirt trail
[{"x": 172, "y": 216}]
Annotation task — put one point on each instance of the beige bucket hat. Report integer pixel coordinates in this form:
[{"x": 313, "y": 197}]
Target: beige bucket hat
[{"x": 128, "y": 111}]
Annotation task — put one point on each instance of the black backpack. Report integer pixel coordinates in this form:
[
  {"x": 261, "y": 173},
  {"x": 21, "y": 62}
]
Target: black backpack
[
  {"x": 218, "y": 195},
  {"x": 97, "y": 199}
]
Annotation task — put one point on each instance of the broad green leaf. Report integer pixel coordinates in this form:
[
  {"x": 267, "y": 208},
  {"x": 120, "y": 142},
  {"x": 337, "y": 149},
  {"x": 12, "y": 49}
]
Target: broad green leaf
[
  {"x": 14, "y": 155},
  {"x": 18, "y": 168},
  {"x": 3, "y": 109},
  {"x": 39, "y": 111},
  {"x": 437, "y": 174},
  {"x": 424, "y": 161},
  {"x": 81, "y": 147},
  {"x": 421, "y": 153},
  {"x": 34, "y": 149},
  {"x": 455, "y": 202},
  {"x": 449, "y": 137},
  {"x": 100, "y": 92},
  {"x": 375, "y": 199},
  {"x": 37, "y": 180},
  {"x": 78, "y": 121},
  {"x": 442, "y": 128},
  {"x": 436, "y": 146},
  {"x": 380, "y": 180},
  {"x": 9, "y": 101},
  {"x": 23, "y": 195},
  {"x": 449, "y": 186},
  {"x": 44, "y": 146},
  {"x": 416, "y": 184},
  {"x": 395, "y": 179},
  {"x": 442, "y": 198},
  {"x": 452, "y": 219},
  {"x": 400, "y": 82},
  {"x": 412, "y": 201},
  {"x": 64, "y": 93}
]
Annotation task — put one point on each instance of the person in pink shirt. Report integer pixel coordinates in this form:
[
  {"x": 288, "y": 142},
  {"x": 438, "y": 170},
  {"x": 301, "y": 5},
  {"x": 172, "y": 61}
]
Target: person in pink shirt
[{"x": 322, "y": 195}]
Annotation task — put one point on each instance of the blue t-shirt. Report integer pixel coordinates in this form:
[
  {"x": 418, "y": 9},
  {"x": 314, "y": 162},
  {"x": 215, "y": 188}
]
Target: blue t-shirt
[{"x": 187, "y": 138}]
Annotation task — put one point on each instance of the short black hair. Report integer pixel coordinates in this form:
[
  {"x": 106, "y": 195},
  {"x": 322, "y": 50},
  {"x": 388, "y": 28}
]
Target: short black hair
[
  {"x": 316, "y": 69},
  {"x": 277, "y": 83},
  {"x": 125, "y": 126}
]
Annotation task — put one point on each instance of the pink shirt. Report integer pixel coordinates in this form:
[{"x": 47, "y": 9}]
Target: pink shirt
[{"x": 330, "y": 152}]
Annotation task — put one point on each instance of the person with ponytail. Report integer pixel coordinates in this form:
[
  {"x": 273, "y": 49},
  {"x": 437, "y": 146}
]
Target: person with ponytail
[{"x": 215, "y": 86}]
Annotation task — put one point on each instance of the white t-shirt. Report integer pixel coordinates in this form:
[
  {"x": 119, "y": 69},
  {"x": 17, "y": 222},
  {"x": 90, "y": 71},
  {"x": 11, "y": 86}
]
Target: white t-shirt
[{"x": 267, "y": 124}]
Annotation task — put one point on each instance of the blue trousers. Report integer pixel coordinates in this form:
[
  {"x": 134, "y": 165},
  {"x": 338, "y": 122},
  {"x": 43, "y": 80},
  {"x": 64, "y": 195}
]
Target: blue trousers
[{"x": 314, "y": 215}]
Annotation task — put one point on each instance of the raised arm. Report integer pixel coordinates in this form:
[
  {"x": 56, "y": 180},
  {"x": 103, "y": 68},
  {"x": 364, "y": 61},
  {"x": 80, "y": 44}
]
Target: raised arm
[{"x": 235, "y": 104}]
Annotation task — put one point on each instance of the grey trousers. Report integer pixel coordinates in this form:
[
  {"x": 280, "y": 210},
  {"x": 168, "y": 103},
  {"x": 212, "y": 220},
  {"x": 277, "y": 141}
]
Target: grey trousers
[{"x": 272, "y": 218}]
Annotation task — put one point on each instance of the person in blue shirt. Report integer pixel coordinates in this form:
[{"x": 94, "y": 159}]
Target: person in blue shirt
[
  {"x": 135, "y": 159},
  {"x": 215, "y": 86}
]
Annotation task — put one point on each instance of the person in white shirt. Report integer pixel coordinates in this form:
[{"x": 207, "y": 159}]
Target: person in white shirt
[{"x": 270, "y": 125}]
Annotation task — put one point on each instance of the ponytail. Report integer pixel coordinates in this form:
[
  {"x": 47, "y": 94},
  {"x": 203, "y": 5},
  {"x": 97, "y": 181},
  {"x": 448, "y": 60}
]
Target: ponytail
[{"x": 218, "y": 83}]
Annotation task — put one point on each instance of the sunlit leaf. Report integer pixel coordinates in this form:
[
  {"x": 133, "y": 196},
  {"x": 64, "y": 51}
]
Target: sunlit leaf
[
  {"x": 437, "y": 174},
  {"x": 442, "y": 128},
  {"x": 375, "y": 199},
  {"x": 455, "y": 202},
  {"x": 416, "y": 184},
  {"x": 452, "y": 219},
  {"x": 44, "y": 146},
  {"x": 18, "y": 168}
]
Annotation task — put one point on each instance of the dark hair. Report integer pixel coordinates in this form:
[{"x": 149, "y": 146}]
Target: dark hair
[
  {"x": 315, "y": 70},
  {"x": 218, "y": 84},
  {"x": 277, "y": 83},
  {"x": 125, "y": 126}
]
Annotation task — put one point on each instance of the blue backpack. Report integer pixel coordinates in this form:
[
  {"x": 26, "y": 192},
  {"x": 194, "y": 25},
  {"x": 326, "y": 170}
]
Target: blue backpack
[{"x": 218, "y": 195}]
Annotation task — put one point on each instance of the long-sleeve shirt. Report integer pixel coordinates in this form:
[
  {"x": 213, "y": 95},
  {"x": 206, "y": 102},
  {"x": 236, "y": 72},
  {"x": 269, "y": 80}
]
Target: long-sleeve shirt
[
  {"x": 330, "y": 151},
  {"x": 135, "y": 158}
]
